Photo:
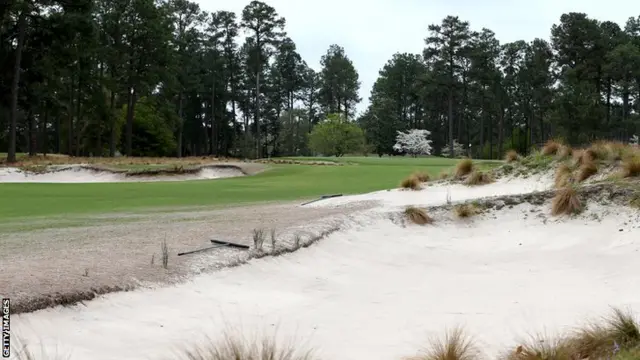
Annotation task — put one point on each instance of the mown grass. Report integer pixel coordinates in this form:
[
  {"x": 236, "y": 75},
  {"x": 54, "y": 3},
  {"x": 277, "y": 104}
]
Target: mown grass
[{"x": 279, "y": 183}]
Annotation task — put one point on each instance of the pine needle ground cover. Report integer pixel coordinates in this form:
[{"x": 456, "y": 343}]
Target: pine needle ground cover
[{"x": 281, "y": 182}]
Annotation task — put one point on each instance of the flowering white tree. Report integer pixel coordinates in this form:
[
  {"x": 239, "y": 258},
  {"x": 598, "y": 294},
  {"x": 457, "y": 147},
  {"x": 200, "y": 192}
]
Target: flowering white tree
[
  {"x": 414, "y": 142},
  {"x": 634, "y": 140},
  {"x": 458, "y": 150}
]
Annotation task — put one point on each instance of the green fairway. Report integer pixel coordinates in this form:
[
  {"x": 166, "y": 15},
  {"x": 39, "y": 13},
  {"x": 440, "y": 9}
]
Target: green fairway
[{"x": 280, "y": 182}]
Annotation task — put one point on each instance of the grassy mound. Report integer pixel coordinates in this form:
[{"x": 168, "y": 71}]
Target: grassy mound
[{"x": 417, "y": 215}]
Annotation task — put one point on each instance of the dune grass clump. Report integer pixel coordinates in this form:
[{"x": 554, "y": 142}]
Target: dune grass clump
[
  {"x": 238, "y": 348},
  {"x": 417, "y": 215},
  {"x": 564, "y": 151},
  {"x": 465, "y": 210},
  {"x": 411, "y": 182},
  {"x": 478, "y": 178},
  {"x": 562, "y": 176},
  {"x": 422, "y": 176},
  {"x": 551, "y": 147},
  {"x": 511, "y": 156},
  {"x": 566, "y": 202},
  {"x": 586, "y": 170},
  {"x": 603, "y": 339},
  {"x": 631, "y": 166},
  {"x": 587, "y": 156},
  {"x": 463, "y": 168},
  {"x": 456, "y": 345},
  {"x": 542, "y": 348},
  {"x": 444, "y": 175}
]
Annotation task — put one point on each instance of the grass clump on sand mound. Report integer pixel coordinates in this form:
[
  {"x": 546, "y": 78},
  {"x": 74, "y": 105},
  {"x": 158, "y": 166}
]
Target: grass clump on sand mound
[
  {"x": 631, "y": 166},
  {"x": 566, "y": 202},
  {"x": 478, "y": 178},
  {"x": 586, "y": 170},
  {"x": 562, "y": 176},
  {"x": 455, "y": 345},
  {"x": 417, "y": 215},
  {"x": 511, "y": 156},
  {"x": 465, "y": 210},
  {"x": 422, "y": 176},
  {"x": 564, "y": 151},
  {"x": 238, "y": 348},
  {"x": 541, "y": 348},
  {"x": 463, "y": 168},
  {"x": 411, "y": 182},
  {"x": 551, "y": 147}
]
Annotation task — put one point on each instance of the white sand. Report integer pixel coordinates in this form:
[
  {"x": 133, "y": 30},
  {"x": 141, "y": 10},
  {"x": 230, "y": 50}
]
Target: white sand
[
  {"x": 78, "y": 174},
  {"x": 377, "y": 290}
]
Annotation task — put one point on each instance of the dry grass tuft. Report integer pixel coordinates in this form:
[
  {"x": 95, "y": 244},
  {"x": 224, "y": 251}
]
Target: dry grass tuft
[
  {"x": 566, "y": 202},
  {"x": 238, "y": 348},
  {"x": 564, "y": 151},
  {"x": 562, "y": 176},
  {"x": 422, "y": 176},
  {"x": 542, "y": 348},
  {"x": 631, "y": 166},
  {"x": 511, "y": 156},
  {"x": 444, "y": 174},
  {"x": 417, "y": 215},
  {"x": 586, "y": 170},
  {"x": 456, "y": 345},
  {"x": 411, "y": 182},
  {"x": 478, "y": 178},
  {"x": 465, "y": 210},
  {"x": 588, "y": 156},
  {"x": 551, "y": 147},
  {"x": 598, "y": 340},
  {"x": 463, "y": 168}
]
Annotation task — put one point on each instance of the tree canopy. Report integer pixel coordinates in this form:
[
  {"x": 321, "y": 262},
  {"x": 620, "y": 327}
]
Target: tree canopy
[{"x": 164, "y": 77}]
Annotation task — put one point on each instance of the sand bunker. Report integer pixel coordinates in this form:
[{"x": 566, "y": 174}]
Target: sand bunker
[
  {"x": 379, "y": 290},
  {"x": 85, "y": 174}
]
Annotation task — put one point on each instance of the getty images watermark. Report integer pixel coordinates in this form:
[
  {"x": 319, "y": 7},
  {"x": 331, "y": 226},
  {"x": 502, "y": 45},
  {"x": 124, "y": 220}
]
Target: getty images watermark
[{"x": 6, "y": 328}]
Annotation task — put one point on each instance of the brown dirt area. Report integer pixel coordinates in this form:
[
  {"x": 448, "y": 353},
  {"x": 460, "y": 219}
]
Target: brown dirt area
[{"x": 58, "y": 265}]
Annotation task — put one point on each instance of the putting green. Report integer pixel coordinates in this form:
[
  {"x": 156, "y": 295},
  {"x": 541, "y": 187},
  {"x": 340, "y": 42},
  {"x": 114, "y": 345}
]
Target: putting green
[{"x": 280, "y": 182}]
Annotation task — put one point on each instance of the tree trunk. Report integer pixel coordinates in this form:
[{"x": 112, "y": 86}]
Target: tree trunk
[
  {"x": 180, "y": 125},
  {"x": 130, "y": 113},
  {"x": 44, "y": 141},
  {"x": 212, "y": 140},
  {"x": 22, "y": 29},
  {"x": 500, "y": 130},
  {"x": 113, "y": 137},
  {"x": 33, "y": 135},
  {"x": 257, "y": 114}
]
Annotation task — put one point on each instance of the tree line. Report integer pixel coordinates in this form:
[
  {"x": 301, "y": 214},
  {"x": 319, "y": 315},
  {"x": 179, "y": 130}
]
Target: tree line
[
  {"x": 484, "y": 97},
  {"x": 160, "y": 78},
  {"x": 165, "y": 78}
]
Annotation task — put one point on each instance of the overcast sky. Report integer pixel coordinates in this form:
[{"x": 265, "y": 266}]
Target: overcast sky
[{"x": 371, "y": 31}]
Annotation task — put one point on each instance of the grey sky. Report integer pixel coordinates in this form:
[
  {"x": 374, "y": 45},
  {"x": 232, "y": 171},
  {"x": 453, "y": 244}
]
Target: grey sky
[{"x": 371, "y": 31}]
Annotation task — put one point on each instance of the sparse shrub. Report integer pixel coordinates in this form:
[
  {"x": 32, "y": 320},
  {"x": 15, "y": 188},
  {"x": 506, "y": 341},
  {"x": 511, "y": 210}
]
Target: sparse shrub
[
  {"x": 411, "y": 182},
  {"x": 631, "y": 166},
  {"x": 586, "y": 170},
  {"x": 564, "y": 151},
  {"x": 511, "y": 156},
  {"x": 417, "y": 215},
  {"x": 422, "y": 176},
  {"x": 258, "y": 239},
  {"x": 551, "y": 147},
  {"x": 455, "y": 345},
  {"x": 274, "y": 239},
  {"x": 566, "y": 202},
  {"x": 463, "y": 168},
  {"x": 478, "y": 178},
  {"x": 240, "y": 348},
  {"x": 465, "y": 210}
]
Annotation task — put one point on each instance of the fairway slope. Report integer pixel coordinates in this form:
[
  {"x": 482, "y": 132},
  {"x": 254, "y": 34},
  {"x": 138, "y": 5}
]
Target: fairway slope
[
  {"x": 379, "y": 287},
  {"x": 92, "y": 174}
]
